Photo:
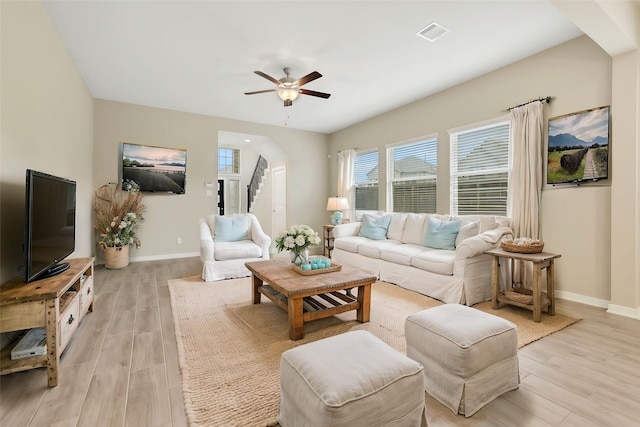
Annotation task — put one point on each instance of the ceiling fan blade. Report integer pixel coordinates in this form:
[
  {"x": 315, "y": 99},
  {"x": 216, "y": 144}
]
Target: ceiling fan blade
[
  {"x": 314, "y": 93},
  {"x": 260, "y": 91},
  {"x": 268, "y": 77},
  {"x": 308, "y": 78}
]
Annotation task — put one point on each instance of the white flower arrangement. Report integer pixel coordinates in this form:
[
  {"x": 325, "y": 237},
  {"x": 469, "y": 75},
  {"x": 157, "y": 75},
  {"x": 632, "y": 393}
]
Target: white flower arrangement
[{"x": 297, "y": 238}]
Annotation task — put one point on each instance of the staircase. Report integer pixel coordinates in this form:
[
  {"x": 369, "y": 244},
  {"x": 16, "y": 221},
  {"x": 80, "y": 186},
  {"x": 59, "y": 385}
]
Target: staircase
[{"x": 253, "y": 189}]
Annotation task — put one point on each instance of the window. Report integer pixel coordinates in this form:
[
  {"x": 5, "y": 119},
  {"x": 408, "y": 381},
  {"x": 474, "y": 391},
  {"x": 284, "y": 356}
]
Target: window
[
  {"x": 228, "y": 161},
  {"x": 480, "y": 169},
  {"x": 366, "y": 181},
  {"x": 411, "y": 176},
  {"x": 228, "y": 171}
]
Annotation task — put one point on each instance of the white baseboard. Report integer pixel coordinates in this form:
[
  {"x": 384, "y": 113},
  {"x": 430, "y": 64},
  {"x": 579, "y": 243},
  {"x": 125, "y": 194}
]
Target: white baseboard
[
  {"x": 621, "y": 310},
  {"x": 168, "y": 256},
  {"x": 582, "y": 299}
]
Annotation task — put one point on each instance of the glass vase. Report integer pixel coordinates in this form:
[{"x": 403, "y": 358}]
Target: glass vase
[{"x": 300, "y": 257}]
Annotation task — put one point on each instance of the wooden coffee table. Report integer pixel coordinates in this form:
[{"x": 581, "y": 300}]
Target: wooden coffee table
[{"x": 307, "y": 298}]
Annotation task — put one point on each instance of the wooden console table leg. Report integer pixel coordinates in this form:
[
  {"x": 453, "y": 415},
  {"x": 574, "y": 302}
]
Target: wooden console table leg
[
  {"x": 296, "y": 321},
  {"x": 256, "y": 282},
  {"x": 495, "y": 281},
  {"x": 51, "y": 326},
  {"x": 537, "y": 303},
  {"x": 551, "y": 293},
  {"x": 364, "y": 298}
]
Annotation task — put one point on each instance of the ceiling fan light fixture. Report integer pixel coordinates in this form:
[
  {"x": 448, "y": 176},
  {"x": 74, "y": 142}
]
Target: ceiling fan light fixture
[
  {"x": 287, "y": 92},
  {"x": 288, "y": 88}
]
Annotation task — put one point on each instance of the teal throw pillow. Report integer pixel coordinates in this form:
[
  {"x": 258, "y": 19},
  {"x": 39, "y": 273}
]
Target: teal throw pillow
[
  {"x": 375, "y": 228},
  {"x": 231, "y": 229},
  {"x": 441, "y": 235}
]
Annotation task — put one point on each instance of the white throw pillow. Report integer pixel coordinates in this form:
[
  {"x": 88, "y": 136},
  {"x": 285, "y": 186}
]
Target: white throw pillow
[
  {"x": 468, "y": 230},
  {"x": 396, "y": 227},
  {"x": 414, "y": 228}
]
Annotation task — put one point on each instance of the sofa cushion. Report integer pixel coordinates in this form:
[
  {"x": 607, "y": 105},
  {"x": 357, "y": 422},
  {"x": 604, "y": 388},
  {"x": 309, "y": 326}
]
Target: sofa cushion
[
  {"x": 231, "y": 229},
  {"x": 349, "y": 243},
  {"x": 441, "y": 234},
  {"x": 374, "y": 248},
  {"x": 468, "y": 230},
  {"x": 396, "y": 226},
  {"x": 438, "y": 261},
  {"x": 374, "y": 227},
  {"x": 236, "y": 250},
  {"x": 414, "y": 228},
  {"x": 401, "y": 254}
]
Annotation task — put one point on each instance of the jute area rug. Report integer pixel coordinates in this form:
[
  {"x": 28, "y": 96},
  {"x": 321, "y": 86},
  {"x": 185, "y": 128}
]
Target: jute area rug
[{"x": 229, "y": 349}]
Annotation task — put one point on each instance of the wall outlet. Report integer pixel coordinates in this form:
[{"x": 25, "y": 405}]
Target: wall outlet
[{"x": 179, "y": 240}]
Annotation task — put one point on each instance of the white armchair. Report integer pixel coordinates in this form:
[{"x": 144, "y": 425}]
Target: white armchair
[{"x": 238, "y": 239}]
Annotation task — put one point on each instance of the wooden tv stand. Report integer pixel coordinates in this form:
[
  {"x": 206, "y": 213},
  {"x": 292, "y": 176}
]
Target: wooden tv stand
[{"x": 56, "y": 303}]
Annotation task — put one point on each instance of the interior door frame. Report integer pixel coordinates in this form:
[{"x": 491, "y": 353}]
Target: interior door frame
[{"x": 279, "y": 195}]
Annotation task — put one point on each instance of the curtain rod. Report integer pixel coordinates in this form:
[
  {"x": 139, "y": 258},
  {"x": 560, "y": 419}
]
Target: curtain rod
[{"x": 546, "y": 99}]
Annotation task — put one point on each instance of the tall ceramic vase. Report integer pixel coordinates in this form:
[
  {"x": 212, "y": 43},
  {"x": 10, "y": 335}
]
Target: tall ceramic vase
[{"x": 116, "y": 258}]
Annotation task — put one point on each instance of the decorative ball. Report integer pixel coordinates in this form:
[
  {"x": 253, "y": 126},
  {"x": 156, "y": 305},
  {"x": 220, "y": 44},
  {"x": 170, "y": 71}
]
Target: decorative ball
[{"x": 306, "y": 266}]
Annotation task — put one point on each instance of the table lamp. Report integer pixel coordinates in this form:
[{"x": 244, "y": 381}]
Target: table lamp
[{"x": 337, "y": 204}]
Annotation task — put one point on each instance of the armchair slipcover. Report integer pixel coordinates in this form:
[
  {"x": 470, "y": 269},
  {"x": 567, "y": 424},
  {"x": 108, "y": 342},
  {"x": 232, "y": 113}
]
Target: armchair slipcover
[{"x": 225, "y": 259}]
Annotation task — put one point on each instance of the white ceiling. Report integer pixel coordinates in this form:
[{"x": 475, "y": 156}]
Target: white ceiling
[{"x": 199, "y": 56}]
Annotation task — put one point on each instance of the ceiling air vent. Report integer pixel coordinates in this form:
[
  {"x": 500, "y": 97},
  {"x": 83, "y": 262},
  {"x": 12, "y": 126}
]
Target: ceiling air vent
[{"x": 432, "y": 32}]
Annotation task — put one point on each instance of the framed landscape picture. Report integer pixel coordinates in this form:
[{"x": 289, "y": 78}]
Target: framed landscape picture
[
  {"x": 153, "y": 169},
  {"x": 579, "y": 146}
]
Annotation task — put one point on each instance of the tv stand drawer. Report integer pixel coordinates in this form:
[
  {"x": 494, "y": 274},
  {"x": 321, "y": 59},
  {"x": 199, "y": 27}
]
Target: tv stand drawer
[{"x": 69, "y": 319}]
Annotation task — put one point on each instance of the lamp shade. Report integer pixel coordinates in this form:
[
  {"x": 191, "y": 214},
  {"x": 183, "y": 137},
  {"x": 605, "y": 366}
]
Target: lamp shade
[{"x": 337, "y": 204}]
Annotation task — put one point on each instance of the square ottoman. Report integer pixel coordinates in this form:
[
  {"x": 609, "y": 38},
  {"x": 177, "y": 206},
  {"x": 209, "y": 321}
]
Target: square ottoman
[
  {"x": 469, "y": 357},
  {"x": 351, "y": 379}
]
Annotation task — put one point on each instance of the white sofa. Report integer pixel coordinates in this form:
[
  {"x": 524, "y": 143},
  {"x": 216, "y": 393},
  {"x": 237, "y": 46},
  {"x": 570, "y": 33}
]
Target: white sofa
[
  {"x": 461, "y": 275},
  {"x": 224, "y": 252}
]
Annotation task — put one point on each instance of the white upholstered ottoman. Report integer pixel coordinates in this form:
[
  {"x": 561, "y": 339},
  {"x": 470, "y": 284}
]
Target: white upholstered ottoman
[
  {"x": 352, "y": 379},
  {"x": 469, "y": 357}
]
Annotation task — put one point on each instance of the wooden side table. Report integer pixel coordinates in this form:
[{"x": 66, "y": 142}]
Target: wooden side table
[
  {"x": 541, "y": 301},
  {"x": 327, "y": 238}
]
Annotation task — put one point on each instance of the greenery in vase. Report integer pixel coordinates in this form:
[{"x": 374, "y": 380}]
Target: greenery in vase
[
  {"x": 118, "y": 214},
  {"x": 297, "y": 239}
]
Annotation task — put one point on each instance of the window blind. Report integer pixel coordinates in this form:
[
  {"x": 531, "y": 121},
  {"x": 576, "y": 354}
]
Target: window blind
[
  {"x": 412, "y": 176},
  {"x": 480, "y": 169},
  {"x": 366, "y": 181}
]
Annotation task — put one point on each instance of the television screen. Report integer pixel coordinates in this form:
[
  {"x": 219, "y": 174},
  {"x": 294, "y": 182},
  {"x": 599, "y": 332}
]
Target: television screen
[
  {"x": 154, "y": 169},
  {"x": 50, "y": 221},
  {"x": 579, "y": 146}
]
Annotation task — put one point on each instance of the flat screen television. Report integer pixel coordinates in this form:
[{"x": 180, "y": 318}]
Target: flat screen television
[
  {"x": 153, "y": 169},
  {"x": 579, "y": 146},
  {"x": 50, "y": 224}
]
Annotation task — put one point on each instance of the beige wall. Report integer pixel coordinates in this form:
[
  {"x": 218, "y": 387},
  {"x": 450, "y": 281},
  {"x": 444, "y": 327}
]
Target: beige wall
[
  {"x": 575, "y": 220},
  {"x": 46, "y": 122},
  {"x": 172, "y": 216}
]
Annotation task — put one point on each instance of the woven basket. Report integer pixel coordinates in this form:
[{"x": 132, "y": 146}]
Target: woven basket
[
  {"x": 533, "y": 248},
  {"x": 521, "y": 295},
  {"x": 116, "y": 258}
]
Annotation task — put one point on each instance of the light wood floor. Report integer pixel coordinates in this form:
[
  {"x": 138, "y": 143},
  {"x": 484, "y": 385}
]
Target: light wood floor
[{"x": 121, "y": 367}]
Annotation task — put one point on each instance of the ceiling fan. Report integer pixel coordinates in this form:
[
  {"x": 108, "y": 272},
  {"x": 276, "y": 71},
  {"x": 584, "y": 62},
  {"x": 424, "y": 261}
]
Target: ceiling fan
[{"x": 288, "y": 88}]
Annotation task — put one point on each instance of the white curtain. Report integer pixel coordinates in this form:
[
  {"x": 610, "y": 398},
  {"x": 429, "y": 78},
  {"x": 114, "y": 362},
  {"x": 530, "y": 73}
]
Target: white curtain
[
  {"x": 525, "y": 182},
  {"x": 346, "y": 180}
]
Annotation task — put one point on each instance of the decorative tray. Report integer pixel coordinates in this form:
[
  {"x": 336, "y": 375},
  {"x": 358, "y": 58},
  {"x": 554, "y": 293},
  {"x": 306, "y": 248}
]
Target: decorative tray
[
  {"x": 334, "y": 267},
  {"x": 534, "y": 247}
]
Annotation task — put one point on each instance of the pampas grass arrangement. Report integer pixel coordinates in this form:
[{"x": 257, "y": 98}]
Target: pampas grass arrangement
[{"x": 118, "y": 214}]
